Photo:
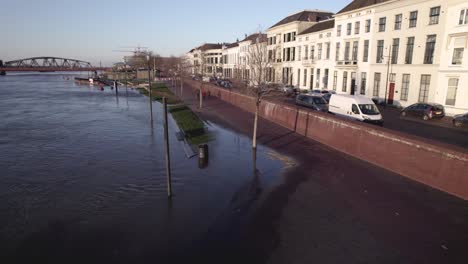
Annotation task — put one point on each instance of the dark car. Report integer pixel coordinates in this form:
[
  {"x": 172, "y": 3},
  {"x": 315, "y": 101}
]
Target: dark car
[
  {"x": 426, "y": 111},
  {"x": 460, "y": 120},
  {"x": 315, "y": 102}
]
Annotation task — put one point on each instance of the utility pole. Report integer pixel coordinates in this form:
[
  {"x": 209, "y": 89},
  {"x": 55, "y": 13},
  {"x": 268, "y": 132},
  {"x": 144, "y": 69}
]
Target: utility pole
[
  {"x": 149, "y": 89},
  {"x": 388, "y": 73},
  {"x": 166, "y": 142}
]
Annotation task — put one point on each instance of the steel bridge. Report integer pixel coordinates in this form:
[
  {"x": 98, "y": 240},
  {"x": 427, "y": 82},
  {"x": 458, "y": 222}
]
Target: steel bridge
[{"x": 46, "y": 64}]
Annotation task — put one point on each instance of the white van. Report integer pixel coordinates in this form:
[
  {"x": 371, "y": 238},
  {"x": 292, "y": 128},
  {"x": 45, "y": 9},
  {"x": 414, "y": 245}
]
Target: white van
[{"x": 356, "y": 107}]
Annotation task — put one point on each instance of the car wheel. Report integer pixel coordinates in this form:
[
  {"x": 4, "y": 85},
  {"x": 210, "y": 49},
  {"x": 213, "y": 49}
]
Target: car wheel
[
  {"x": 403, "y": 114},
  {"x": 457, "y": 123},
  {"x": 426, "y": 117}
]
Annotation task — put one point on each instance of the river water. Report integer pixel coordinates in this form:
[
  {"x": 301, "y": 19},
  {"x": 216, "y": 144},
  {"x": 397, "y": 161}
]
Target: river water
[{"x": 82, "y": 177}]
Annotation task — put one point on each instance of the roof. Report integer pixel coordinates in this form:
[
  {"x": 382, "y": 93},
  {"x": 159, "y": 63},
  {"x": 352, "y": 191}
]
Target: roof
[
  {"x": 358, "y": 4},
  {"x": 232, "y": 45},
  {"x": 305, "y": 16},
  {"x": 254, "y": 37},
  {"x": 209, "y": 46},
  {"x": 327, "y": 24}
]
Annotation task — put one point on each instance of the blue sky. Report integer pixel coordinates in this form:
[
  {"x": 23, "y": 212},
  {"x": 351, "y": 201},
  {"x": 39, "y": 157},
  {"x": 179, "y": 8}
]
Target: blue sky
[{"x": 91, "y": 29}]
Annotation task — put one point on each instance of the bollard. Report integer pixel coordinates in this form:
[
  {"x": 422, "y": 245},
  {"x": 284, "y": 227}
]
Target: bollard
[{"x": 203, "y": 156}]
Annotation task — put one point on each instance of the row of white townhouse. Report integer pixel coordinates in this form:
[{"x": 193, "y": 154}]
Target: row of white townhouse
[{"x": 402, "y": 51}]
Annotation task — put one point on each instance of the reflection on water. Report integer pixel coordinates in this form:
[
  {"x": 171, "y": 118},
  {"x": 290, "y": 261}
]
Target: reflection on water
[{"x": 83, "y": 175}]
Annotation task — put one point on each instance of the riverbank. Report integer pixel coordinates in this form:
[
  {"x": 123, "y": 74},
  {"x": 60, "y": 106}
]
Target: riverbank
[{"x": 333, "y": 208}]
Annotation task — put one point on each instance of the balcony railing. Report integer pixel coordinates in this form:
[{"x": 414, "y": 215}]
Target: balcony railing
[{"x": 347, "y": 63}]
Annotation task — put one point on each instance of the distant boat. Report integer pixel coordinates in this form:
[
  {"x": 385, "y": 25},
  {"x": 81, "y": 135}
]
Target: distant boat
[{"x": 93, "y": 81}]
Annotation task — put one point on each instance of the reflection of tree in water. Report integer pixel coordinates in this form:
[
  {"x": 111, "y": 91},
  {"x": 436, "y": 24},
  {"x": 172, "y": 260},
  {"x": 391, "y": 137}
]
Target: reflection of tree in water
[{"x": 250, "y": 191}]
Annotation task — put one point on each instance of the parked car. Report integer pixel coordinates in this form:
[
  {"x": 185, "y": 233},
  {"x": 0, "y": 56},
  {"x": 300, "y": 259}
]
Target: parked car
[
  {"x": 326, "y": 94},
  {"x": 355, "y": 107},
  {"x": 427, "y": 111},
  {"x": 288, "y": 89},
  {"x": 460, "y": 120},
  {"x": 315, "y": 102},
  {"x": 318, "y": 91}
]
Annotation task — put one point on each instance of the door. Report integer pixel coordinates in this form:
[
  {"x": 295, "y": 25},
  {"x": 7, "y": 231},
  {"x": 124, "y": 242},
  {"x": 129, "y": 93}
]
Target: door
[
  {"x": 353, "y": 86},
  {"x": 391, "y": 93}
]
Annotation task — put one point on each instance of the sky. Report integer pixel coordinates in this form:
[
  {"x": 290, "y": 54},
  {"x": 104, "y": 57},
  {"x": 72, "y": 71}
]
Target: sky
[{"x": 94, "y": 30}]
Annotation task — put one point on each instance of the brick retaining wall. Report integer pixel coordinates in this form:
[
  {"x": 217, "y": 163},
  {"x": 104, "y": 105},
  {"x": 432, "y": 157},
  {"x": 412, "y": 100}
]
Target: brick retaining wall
[{"x": 435, "y": 165}]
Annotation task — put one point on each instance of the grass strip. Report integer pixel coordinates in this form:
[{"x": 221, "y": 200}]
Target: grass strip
[{"x": 193, "y": 128}]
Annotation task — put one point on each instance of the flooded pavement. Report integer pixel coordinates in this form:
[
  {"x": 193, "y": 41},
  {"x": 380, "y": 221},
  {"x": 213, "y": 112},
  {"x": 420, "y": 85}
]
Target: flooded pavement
[{"x": 83, "y": 178}]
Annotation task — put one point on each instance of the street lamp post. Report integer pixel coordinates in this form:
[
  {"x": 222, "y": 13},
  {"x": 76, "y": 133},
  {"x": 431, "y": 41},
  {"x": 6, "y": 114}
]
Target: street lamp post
[{"x": 149, "y": 89}]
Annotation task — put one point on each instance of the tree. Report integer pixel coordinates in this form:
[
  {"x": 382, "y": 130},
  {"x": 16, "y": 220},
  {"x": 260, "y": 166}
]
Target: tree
[
  {"x": 258, "y": 66},
  {"x": 201, "y": 62}
]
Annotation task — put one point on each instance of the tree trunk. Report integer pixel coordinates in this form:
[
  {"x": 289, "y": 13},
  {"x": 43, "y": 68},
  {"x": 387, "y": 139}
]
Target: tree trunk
[
  {"x": 181, "y": 86},
  {"x": 254, "y": 138},
  {"x": 201, "y": 96}
]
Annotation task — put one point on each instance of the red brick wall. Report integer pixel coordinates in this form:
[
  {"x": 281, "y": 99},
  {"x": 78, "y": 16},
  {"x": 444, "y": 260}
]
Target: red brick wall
[{"x": 438, "y": 166}]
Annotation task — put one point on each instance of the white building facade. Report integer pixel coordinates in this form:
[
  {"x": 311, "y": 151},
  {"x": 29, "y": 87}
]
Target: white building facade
[{"x": 399, "y": 51}]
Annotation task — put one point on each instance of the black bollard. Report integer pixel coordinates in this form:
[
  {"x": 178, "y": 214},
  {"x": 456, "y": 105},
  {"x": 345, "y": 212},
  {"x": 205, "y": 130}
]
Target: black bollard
[{"x": 203, "y": 156}]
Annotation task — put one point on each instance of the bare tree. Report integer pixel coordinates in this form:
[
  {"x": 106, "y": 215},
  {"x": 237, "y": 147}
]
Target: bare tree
[
  {"x": 183, "y": 70},
  {"x": 202, "y": 65},
  {"x": 258, "y": 66}
]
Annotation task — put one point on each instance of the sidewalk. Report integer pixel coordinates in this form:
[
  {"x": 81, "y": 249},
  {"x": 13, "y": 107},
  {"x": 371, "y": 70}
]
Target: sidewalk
[{"x": 333, "y": 208}]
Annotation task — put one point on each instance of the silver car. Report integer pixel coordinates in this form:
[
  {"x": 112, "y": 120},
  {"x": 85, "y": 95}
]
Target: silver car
[{"x": 315, "y": 102}]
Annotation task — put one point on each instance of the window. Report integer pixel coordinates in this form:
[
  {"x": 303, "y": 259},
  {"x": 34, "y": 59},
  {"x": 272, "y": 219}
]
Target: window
[
  {"x": 395, "y": 50},
  {"x": 463, "y": 17},
  {"x": 345, "y": 82},
  {"x": 398, "y": 19},
  {"x": 327, "y": 45},
  {"x": 325, "y": 79},
  {"x": 413, "y": 21},
  {"x": 409, "y": 50},
  {"x": 430, "y": 47},
  {"x": 319, "y": 55},
  {"x": 355, "y": 50},
  {"x": 349, "y": 28},
  {"x": 376, "y": 90},
  {"x": 457, "y": 58},
  {"x": 355, "y": 109},
  {"x": 380, "y": 48},
  {"x": 338, "y": 31},
  {"x": 368, "y": 25},
  {"x": 305, "y": 77},
  {"x": 347, "y": 50},
  {"x": 298, "y": 77},
  {"x": 312, "y": 52},
  {"x": 335, "y": 80},
  {"x": 363, "y": 82},
  {"x": 405, "y": 87},
  {"x": 299, "y": 53},
  {"x": 382, "y": 24},
  {"x": 452, "y": 91},
  {"x": 317, "y": 83},
  {"x": 337, "y": 51},
  {"x": 424, "y": 89},
  {"x": 357, "y": 27},
  {"x": 392, "y": 77},
  {"x": 306, "y": 52},
  {"x": 434, "y": 15},
  {"x": 366, "y": 51}
]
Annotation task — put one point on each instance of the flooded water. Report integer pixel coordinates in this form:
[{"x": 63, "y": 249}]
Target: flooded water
[{"x": 83, "y": 177}]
